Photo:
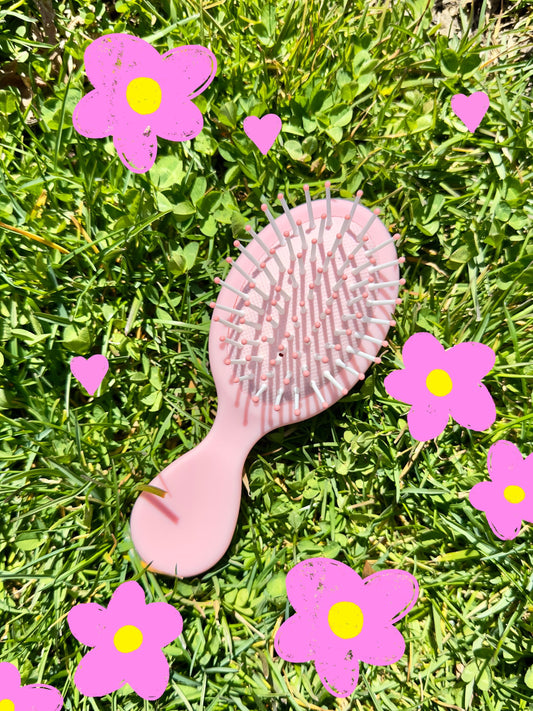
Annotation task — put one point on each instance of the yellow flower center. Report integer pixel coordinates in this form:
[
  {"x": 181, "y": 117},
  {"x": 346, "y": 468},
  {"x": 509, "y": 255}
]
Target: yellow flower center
[
  {"x": 345, "y": 619},
  {"x": 143, "y": 95},
  {"x": 7, "y": 705},
  {"x": 128, "y": 639},
  {"x": 514, "y": 494},
  {"x": 439, "y": 383}
]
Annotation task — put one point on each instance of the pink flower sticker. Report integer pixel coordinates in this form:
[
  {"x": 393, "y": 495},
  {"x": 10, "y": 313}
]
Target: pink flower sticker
[
  {"x": 342, "y": 619},
  {"x": 140, "y": 94},
  {"x": 127, "y": 638},
  {"x": 507, "y": 499},
  {"x": 439, "y": 383},
  {"x": 14, "y": 697}
]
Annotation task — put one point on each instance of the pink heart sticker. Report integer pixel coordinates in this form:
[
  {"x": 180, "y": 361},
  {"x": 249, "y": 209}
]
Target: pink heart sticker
[
  {"x": 470, "y": 109},
  {"x": 89, "y": 372},
  {"x": 262, "y": 131}
]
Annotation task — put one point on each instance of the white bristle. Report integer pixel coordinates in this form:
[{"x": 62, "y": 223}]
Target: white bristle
[
  {"x": 302, "y": 234},
  {"x": 383, "y": 284},
  {"x": 266, "y": 250},
  {"x": 288, "y": 241},
  {"x": 287, "y": 213},
  {"x": 248, "y": 254},
  {"x": 229, "y": 324},
  {"x": 238, "y": 312},
  {"x": 296, "y": 392},
  {"x": 313, "y": 250},
  {"x": 362, "y": 354},
  {"x": 280, "y": 264},
  {"x": 332, "y": 380},
  {"x": 309, "y": 207},
  {"x": 379, "y": 267},
  {"x": 321, "y": 229},
  {"x": 367, "y": 319},
  {"x": 279, "y": 396},
  {"x": 259, "y": 392},
  {"x": 244, "y": 296},
  {"x": 351, "y": 370},
  {"x": 381, "y": 302},
  {"x": 232, "y": 342},
  {"x": 251, "y": 324},
  {"x": 328, "y": 203},
  {"x": 273, "y": 223},
  {"x": 379, "y": 246},
  {"x": 358, "y": 197},
  {"x": 318, "y": 393}
]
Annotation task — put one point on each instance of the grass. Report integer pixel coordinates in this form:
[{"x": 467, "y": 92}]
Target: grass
[{"x": 363, "y": 90}]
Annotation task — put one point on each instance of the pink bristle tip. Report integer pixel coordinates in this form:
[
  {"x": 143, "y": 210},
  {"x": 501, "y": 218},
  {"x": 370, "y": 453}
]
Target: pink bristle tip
[
  {"x": 248, "y": 358},
  {"x": 327, "y": 184},
  {"x": 222, "y": 339},
  {"x": 358, "y": 314},
  {"x": 348, "y": 331},
  {"x": 272, "y": 361},
  {"x": 384, "y": 344},
  {"x": 325, "y": 359},
  {"x": 212, "y": 305},
  {"x": 295, "y": 319},
  {"x": 263, "y": 377},
  {"x": 320, "y": 270},
  {"x": 392, "y": 323},
  {"x": 280, "y": 196},
  {"x": 264, "y": 207},
  {"x": 264, "y": 339},
  {"x": 217, "y": 280},
  {"x": 307, "y": 339},
  {"x": 396, "y": 236},
  {"x": 323, "y": 216},
  {"x": 297, "y": 413},
  {"x": 401, "y": 260},
  {"x": 298, "y": 222},
  {"x": 229, "y": 260},
  {"x": 372, "y": 260},
  {"x": 286, "y": 381},
  {"x": 344, "y": 391},
  {"x": 277, "y": 408},
  {"x": 378, "y": 360},
  {"x": 338, "y": 347},
  {"x": 306, "y": 373},
  {"x": 290, "y": 271},
  {"x": 216, "y": 318},
  {"x": 277, "y": 288},
  {"x": 286, "y": 233},
  {"x": 359, "y": 193},
  {"x": 314, "y": 240},
  {"x": 295, "y": 356},
  {"x": 247, "y": 303},
  {"x": 402, "y": 282},
  {"x": 242, "y": 319},
  {"x": 248, "y": 228},
  {"x": 398, "y": 301},
  {"x": 365, "y": 294},
  {"x": 235, "y": 380},
  {"x": 366, "y": 238},
  {"x": 255, "y": 399},
  {"x": 325, "y": 405},
  {"x": 262, "y": 265},
  {"x": 227, "y": 361},
  {"x": 376, "y": 211},
  {"x": 306, "y": 187},
  {"x": 236, "y": 243}
]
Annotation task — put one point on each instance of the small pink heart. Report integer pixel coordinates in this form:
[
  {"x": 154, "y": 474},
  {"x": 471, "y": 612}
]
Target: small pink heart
[
  {"x": 470, "y": 109},
  {"x": 262, "y": 131},
  {"x": 89, "y": 372}
]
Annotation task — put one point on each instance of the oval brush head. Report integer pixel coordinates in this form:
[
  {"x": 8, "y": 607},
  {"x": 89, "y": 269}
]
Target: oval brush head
[{"x": 300, "y": 317}]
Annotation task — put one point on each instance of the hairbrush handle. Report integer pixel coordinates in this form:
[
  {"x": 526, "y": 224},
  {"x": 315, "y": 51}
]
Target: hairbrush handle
[{"x": 188, "y": 530}]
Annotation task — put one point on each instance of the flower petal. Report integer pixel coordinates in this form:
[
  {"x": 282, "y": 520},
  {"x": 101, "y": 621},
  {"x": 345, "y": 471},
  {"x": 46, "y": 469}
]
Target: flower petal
[
  {"x": 473, "y": 408},
  {"x": 92, "y": 115},
  {"x": 9, "y": 676},
  {"x": 504, "y": 459},
  {"x": 137, "y": 152},
  {"x": 428, "y": 419},
  {"x": 485, "y": 495},
  {"x": 39, "y": 696},
  {"x": 148, "y": 674},
  {"x": 292, "y": 641},
  {"x": 97, "y": 674},
  {"x": 191, "y": 67},
  {"x": 162, "y": 624},
  {"x": 387, "y": 646},
  {"x": 339, "y": 676},
  {"x": 469, "y": 362},
  {"x": 504, "y": 522},
  {"x": 422, "y": 351},
  {"x": 388, "y": 595},
  {"x": 114, "y": 54},
  {"x": 87, "y": 621},
  {"x": 177, "y": 120},
  {"x": 314, "y": 578},
  {"x": 128, "y": 596},
  {"x": 402, "y": 385}
]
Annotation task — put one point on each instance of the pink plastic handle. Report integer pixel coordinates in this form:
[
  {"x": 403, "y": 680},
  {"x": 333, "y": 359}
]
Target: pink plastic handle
[{"x": 188, "y": 530}]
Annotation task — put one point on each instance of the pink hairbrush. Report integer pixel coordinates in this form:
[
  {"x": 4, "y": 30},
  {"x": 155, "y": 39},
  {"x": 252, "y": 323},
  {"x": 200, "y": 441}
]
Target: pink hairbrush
[{"x": 300, "y": 317}]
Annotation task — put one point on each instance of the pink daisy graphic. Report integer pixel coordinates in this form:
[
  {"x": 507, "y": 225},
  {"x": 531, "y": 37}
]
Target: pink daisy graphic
[
  {"x": 439, "y": 383},
  {"x": 14, "y": 697},
  {"x": 507, "y": 499},
  {"x": 342, "y": 619},
  {"x": 140, "y": 94},
  {"x": 127, "y": 638}
]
